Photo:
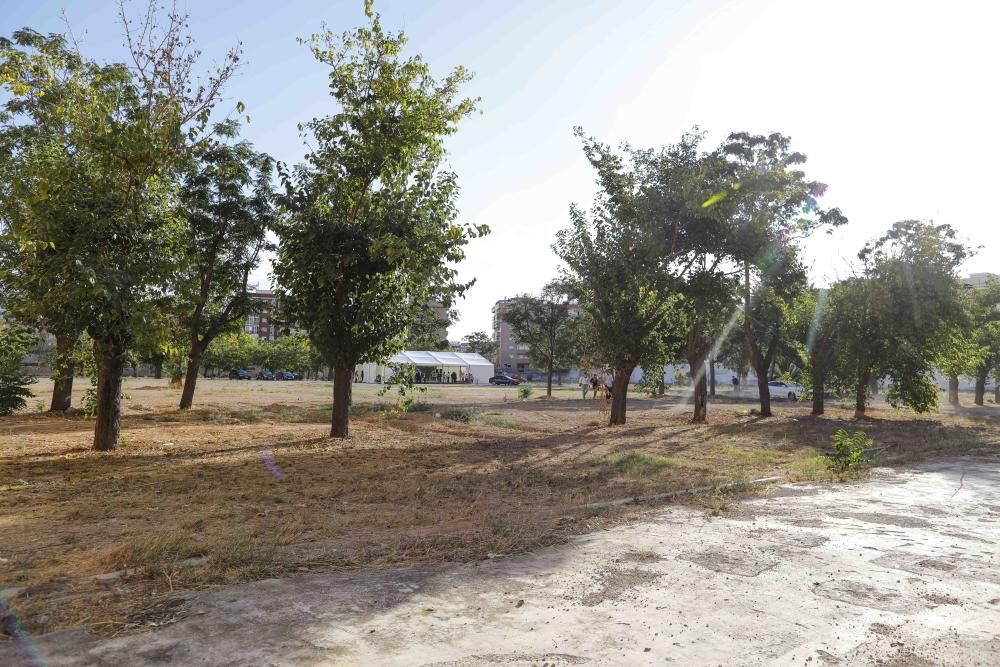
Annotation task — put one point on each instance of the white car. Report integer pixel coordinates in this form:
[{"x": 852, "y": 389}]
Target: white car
[{"x": 781, "y": 389}]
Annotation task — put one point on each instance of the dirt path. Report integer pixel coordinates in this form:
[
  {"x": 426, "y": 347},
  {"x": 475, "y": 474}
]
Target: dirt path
[{"x": 901, "y": 570}]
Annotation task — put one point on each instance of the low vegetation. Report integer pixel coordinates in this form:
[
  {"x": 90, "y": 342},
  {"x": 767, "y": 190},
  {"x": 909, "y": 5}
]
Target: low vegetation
[{"x": 250, "y": 485}]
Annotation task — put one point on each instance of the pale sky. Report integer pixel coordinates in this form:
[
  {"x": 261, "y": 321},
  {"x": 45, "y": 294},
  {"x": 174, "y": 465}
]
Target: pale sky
[{"x": 893, "y": 102}]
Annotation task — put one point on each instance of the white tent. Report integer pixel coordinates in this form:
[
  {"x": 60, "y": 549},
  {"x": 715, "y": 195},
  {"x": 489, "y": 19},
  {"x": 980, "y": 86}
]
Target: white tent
[{"x": 467, "y": 366}]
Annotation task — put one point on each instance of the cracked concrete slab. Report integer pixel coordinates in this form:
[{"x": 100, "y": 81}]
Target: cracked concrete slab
[{"x": 903, "y": 569}]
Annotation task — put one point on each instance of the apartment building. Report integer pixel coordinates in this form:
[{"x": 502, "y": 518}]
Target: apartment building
[
  {"x": 261, "y": 323},
  {"x": 511, "y": 355},
  {"x": 979, "y": 280}
]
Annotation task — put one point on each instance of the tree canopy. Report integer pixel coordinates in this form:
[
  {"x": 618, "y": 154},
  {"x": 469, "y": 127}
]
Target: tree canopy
[{"x": 370, "y": 233}]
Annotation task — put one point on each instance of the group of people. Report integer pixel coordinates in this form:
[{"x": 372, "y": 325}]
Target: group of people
[
  {"x": 595, "y": 383},
  {"x": 439, "y": 376}
]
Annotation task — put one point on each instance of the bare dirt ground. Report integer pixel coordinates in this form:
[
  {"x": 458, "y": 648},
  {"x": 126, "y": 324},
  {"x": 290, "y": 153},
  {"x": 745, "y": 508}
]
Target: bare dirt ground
[
  {"x": 900, "y": 570},
  {"x": 247, "y": 486}
]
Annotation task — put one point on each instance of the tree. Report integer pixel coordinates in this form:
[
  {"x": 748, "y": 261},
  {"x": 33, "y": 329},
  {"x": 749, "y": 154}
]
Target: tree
[
  {"x": 899, "y": 316},
  {"x": 545, "y": 325},
  {"x": 482, "y": 343},
  {"x": 292, "y": 352},
  {"x": 40, "y": 180},
  {"x": 129, "y": 127},
  {"x": 768, "y": 206},
  {"x": 231, "y": 351},
  {"x": 618, "y": 267},
  {"x": 984, "y": 311},
  {"x": 425, "y": 328},
  {"x": 959, "y": 356},
  {"x": 370, "y": 234},
  {"x": 14, "y": 392},
  {"x": 226, "y": 199}
]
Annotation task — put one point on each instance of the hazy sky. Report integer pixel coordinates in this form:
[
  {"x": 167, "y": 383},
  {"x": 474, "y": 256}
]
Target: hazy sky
[{"x": 893, "y": 102}]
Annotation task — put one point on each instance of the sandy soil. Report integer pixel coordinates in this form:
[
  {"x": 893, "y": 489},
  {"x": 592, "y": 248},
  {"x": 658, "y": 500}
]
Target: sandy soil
[
  {"x": 247, "y": 486},
  {"x": 901, "y": 569}
]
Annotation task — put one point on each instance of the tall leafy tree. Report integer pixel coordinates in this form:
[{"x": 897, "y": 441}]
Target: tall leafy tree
[
  {"x": 622, "y": 265},
  {"x": 129, "y": 127},
  {"x": 900, "y": 314},
  {"x": 546, "y": 326},
  {"x": 768, "y": 206},
  {"x": 42, "y": 182},
  {"x": 370, "y": 234},
  {"x": 226, "y": 200}
]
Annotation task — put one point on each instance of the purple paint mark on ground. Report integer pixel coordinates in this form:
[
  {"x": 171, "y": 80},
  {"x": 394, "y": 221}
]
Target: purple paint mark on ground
[{"x": 270, "y": 464}]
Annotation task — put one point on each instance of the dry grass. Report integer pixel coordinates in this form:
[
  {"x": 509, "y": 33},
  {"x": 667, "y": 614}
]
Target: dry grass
[{"x": 248, "y": 485}]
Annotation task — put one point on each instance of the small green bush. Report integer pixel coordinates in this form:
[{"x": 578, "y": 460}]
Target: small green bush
[
  {"x": 455, "y": 414},
  {"x": 14, "y": 382},
  {"x": 851, "y": 451},
  {"x": 524, "y": 392}
]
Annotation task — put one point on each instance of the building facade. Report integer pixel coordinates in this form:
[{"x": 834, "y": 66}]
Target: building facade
[
  {"x": 511, "y": 355},
  {"x": 979, "y": 280},
  {"x": 261, "y": 324}
]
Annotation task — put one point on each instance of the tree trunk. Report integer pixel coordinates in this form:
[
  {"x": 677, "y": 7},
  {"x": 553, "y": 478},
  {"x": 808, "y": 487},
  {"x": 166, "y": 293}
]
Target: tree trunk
[
  {"x": 619, "y": 392},
  {"x": 342, "y": 375},
  {"x": 818, "y": 389},
  {"x": 697, "y": 351},
  {"x": 980, "y": 388},
  {"x": 758, "y": 361},
  {"x": 548, "y": 387},
  {"x": 711, "y": 377},
  {"x": 765, "y": 393},
  {"x": 62, "y": 388},
  {"x": 112, "y": 352},
  {"x": 860, "y": 398},
  {"x": 953, "y": 390},
  {"x": 191, "y": 376}
]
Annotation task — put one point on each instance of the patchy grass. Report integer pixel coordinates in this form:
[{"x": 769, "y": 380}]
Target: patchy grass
[
  {"x": 495, "y": 420},
  {"x": 458, "y": 414},
  {"x": 247, "y": 485},
  {"x": 639, "y": 463}
]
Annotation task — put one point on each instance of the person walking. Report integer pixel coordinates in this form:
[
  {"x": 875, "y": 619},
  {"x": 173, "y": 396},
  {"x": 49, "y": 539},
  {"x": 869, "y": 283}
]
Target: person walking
[
  {"x": 736, "y": 384},
  {"x": 584, "y": 383}
]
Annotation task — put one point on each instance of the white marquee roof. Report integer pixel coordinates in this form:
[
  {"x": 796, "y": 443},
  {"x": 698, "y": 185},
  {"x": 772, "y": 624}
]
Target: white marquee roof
[{"x": 433, "y": 358}]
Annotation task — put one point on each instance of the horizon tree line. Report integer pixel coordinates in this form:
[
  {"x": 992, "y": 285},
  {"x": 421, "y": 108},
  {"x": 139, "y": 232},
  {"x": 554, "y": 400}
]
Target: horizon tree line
[{"x": 132, "y": 215}]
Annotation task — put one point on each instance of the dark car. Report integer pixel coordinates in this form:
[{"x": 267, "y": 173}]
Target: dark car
[
  {"x": 265, "y": 375},
  {"x": 240, "y": 374},
  {"x": 285, "y": 375},
  {"x": 504, "y": 380}
]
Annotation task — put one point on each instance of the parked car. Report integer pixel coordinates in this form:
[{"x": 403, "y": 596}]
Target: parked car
[
  {"x": 286, "y": 375},
  {"x": 782, "y": 389},
  {"x": 240, "y": 374},
  {"x": 265, "y": 375},
  {"x": 504, "y": 380}
]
